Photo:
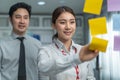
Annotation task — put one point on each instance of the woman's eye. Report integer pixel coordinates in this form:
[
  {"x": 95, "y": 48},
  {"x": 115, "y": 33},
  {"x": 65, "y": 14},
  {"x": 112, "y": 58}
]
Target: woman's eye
[
  {"x": 72, "y": 22},
  {"x": 62, "y": 22}
]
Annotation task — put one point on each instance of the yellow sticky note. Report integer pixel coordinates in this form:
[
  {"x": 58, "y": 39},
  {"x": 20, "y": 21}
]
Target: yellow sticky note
[
  {"x": 93, "y": 6},
  {"x": 98, "y": 44},
  {"x": 97, "y": 26}
]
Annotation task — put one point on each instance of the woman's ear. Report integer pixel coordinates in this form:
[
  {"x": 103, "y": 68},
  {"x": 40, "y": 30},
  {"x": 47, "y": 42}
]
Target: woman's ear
[{"x": 53, "y": 26}]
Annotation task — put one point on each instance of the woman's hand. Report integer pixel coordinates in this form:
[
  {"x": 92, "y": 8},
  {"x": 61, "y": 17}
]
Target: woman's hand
[{"x": 86, "y": 54}]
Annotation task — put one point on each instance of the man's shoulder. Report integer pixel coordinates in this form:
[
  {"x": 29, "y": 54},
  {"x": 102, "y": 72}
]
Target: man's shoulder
[
  {"x": 5, "y": 39},
  {"x": 33, "y": 40}
]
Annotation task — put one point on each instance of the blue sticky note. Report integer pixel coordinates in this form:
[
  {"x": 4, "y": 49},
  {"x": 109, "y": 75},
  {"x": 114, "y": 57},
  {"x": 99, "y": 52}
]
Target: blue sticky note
[{"x": 116, "y": 22}]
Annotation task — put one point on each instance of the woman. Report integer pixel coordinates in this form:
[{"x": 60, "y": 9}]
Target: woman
[{"x": 60, "y": 59}]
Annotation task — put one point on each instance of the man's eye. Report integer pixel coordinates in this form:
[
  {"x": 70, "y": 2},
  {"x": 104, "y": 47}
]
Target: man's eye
[
  {"x": 17, "y": 17},
  {"x": 25, "y": 17}
]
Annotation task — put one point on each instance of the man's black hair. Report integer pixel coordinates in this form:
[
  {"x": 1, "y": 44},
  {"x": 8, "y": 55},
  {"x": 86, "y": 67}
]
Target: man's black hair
[{"x": 18, "y": 5}]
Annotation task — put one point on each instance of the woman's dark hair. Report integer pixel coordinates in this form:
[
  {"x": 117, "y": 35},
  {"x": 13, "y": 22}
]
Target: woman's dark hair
[
  {"x": 57, "y": 12},
  {"x": 18, "y": 5}
]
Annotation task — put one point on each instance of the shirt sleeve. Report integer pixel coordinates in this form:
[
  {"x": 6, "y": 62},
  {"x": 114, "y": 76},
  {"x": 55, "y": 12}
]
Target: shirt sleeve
[
  {"x": 0, "y": 60},
  {"x": 49, "y": 64},
  {"x": 90, "y": 74}
]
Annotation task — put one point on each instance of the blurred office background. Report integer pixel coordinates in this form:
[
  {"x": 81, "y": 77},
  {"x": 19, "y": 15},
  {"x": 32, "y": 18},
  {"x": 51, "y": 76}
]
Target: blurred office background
[{"x": 106, "y": 65}]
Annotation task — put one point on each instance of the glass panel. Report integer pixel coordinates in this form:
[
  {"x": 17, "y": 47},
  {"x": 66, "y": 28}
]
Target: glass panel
[
  {"x": 47, "y": 22},
  {"x": 4, "y": 22},
  {"x": 34, "y": 22},
  {"x": 78, "y": 22}
]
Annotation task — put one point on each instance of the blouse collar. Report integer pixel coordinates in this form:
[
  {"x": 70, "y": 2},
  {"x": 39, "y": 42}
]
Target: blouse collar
[{"x": 60, "y": 45}]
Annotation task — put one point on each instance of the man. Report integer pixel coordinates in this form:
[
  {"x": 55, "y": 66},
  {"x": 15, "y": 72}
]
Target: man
[{"x": 19, "y": 15}]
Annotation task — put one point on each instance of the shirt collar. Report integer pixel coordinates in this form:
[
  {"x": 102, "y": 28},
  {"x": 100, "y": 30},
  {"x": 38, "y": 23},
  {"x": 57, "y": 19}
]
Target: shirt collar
[
  {"x": 14, "y": 35},
  {"x": 60, "y": 45}
]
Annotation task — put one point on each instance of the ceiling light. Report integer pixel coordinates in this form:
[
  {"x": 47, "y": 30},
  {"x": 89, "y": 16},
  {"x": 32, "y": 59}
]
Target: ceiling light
[
  {"x": 41, "y": 3},
  {"x": 62, "y": 1}
]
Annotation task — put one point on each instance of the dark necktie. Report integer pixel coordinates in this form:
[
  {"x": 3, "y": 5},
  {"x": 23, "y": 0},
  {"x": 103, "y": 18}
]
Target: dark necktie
[{"x": 22, "y": 67}]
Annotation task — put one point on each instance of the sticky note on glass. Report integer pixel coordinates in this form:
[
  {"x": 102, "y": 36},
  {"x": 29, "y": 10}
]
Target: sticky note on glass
[
  {"x": 116, "y": 22},
  {"x": 93, "y": 6},
  {"x": 113, "y": 5},
  {"x": 98, "y": 44},
  {"x": 117, "y": 43},
  {"x": 97, "y": 26}
]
